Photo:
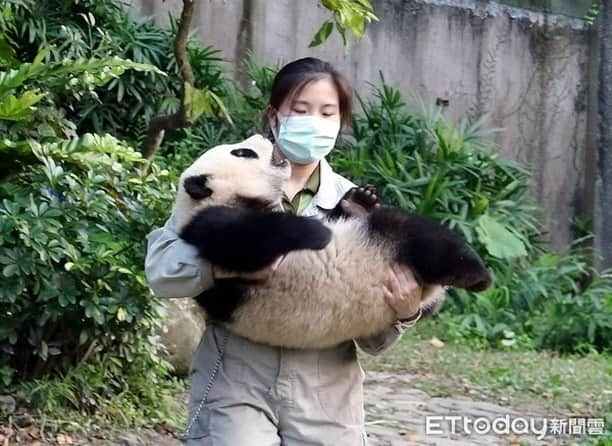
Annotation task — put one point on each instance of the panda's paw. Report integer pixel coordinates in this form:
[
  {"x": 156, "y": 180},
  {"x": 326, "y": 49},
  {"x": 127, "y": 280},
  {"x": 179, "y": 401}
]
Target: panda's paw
[
  {"x": 357, "y": 202},
  {"x": 363, "y": 196}
]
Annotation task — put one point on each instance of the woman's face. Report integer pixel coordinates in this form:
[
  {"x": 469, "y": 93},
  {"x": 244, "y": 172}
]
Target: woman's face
[{"x": 316, "y": 98}]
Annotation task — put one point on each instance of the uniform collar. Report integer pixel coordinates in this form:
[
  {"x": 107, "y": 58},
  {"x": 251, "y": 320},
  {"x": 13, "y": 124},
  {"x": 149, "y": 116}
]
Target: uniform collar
[
  {"x": 313, "y": 183},
  {"x": 327, "y": 195}
]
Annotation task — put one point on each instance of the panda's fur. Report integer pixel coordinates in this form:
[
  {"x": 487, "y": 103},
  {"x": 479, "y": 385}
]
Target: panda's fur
[{"x": 329, "y": 286}]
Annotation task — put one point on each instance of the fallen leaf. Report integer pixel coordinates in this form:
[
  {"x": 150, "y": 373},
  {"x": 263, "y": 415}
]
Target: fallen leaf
[
  {"x": 63, "y": 439},
  {"x": 436, "y": 342}
]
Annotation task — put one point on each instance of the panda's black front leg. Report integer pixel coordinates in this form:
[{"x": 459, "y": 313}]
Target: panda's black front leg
[
  {"x": 434, "y": 253},
  {"x": 245, "y": 240}
]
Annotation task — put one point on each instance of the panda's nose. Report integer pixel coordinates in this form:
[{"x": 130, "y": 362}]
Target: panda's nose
[
  {"x": 280, "y": 163},
  {"x": 277, "y": 160}
]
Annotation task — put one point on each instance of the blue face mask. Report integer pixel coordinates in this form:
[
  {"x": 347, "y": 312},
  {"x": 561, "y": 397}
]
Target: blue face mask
[{"x": 306, "y": 139}]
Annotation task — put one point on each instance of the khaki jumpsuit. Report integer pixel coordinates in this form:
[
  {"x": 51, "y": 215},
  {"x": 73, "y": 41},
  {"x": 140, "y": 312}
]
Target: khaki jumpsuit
[{"x": 245, "y": 393}]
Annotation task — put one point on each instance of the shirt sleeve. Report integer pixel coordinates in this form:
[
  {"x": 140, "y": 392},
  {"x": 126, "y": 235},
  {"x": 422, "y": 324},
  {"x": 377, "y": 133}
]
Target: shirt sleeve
[
  {"x": 173, "y": 267},
  {"x": 378, "y": 343}
]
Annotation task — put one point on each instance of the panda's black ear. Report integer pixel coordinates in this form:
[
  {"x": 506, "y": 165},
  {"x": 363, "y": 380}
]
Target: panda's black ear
[{"x": 196, "y": 187}]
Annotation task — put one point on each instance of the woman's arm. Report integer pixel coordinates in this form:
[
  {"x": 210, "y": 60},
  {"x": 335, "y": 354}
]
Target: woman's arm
[
  {"x": 173, "y": 267},
  {"x": 404, "y": 295}
]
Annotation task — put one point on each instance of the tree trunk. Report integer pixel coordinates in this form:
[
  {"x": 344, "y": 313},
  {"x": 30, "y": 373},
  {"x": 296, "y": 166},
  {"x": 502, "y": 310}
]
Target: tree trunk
[
  {"x": 603, "y": 227},
  {"x": 159, "y": 124}
]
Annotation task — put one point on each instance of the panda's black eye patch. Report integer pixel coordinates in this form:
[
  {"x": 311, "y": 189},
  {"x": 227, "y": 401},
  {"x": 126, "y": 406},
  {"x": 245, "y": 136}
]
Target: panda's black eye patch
[
  {"x": 243, "y": 152},
  {"x": 196, "y": 187}
]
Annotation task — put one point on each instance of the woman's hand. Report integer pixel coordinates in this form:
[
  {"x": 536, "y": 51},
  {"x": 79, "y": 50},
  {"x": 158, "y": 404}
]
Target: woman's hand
[
  {"x": 259, "y": 275},
  {"x": 402, "y": 292}
]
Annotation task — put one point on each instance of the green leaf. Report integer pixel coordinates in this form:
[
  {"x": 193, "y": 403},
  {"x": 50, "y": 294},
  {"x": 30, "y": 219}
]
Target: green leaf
[
  {"x": 342, "y": 30},
  {"x": 13, "y": 108},
  {"x": 44, "y": 350},
  {"x": 7, "y": 55},
  {"x": 200, "y": 102},
  {"x": 10, "y": 270},
  {"x": 322, "y": 35},
  {"x": 83, "y": 337},
  {"x": 197, "y": 102},
  {"x": 499, "y": 241},
  {"x": 332, "y": 5}
]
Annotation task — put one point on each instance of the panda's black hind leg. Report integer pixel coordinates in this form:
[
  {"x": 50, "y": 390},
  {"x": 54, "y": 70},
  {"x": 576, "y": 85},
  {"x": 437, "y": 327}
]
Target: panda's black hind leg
[
  {"x": 434, "y": 253},
  {"x": 357, "y": 202},
  {"x": 246, "y": 240},
  {"x": 221, "y": 301}
]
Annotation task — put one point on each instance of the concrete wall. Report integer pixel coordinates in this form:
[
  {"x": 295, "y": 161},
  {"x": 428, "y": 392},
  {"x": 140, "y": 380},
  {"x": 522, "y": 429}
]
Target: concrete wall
[{"x": 527, "y": 70}]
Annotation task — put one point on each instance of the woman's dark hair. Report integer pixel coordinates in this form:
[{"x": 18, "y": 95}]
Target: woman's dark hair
[{"x": 290, "y": 80}]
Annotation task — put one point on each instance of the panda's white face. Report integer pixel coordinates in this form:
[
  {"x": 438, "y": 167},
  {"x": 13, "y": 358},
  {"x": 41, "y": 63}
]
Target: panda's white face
[{"x": 240, "y": 175}]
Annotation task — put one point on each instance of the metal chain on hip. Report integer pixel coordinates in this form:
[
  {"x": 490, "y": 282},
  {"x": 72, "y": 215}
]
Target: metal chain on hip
[{"x": 211, "y": 379}]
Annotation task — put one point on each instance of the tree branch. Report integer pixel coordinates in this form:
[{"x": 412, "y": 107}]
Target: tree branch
[
  {"x": 180, "y": 42},
  {"x": 180, "y": 119}
]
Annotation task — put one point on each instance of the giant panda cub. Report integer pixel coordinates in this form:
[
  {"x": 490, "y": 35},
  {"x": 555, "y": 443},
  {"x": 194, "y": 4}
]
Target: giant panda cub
[{"x": 329, "y": 286}]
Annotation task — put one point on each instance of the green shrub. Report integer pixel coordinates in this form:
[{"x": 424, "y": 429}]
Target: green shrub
[
  {"x": 75, "y": 310},
  {"x": 577, "y": 317},
  {"x": 558, "y": 302},
  {"x": 71, "y": 253},
  {"x": 29, "y": 97},
  {"x": 99, "y": 393},
  {"x": 102, "y": 29}
]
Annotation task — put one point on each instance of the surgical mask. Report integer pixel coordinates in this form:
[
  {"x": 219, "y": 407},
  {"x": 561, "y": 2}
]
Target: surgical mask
[{"x": 306, "y": 139}]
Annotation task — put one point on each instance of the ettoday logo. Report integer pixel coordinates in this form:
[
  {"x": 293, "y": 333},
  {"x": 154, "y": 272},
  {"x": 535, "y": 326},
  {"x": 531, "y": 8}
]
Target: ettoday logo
[{"x": 507, "y": 425}]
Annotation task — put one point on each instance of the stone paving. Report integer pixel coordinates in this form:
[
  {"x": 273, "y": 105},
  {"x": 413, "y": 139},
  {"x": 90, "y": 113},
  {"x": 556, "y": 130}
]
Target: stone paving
[{"x": 395, "y": 416}]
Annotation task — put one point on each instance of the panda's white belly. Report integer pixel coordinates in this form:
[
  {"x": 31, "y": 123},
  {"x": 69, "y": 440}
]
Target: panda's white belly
[{"x": 320, "y": 298}]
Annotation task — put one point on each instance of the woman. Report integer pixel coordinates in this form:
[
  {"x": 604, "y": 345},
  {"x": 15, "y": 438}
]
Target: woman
[{"x": 245, "y": 393}]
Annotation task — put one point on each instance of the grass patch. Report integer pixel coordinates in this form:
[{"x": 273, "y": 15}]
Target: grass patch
[
  {"x": 99, "y": 396},
  {"x": 576, "y": 385}
]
